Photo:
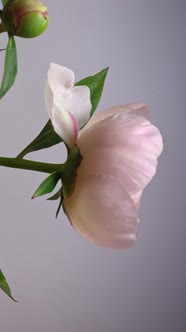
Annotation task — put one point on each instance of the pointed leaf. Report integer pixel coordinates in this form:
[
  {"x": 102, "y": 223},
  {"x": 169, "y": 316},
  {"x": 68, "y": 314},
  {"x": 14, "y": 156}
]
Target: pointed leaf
[
  {"x": 47, "y": 136},
  {"x": 4, "y": 286},
  {"x": 48, "y": 185},
  {"x": 95, "y": 84},
  {"x": 55, "y": 196},
  {"x": 58, "y": 195},
  {"x": 10, "y": 67},
  {"x": 59, "y": 207}
]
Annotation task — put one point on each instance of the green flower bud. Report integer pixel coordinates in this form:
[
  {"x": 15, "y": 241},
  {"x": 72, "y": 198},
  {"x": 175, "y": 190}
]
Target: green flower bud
[{"x": 25, "y": 18}]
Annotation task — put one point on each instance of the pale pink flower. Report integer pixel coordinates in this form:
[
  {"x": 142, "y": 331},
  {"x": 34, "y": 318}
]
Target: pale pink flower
[
  {"x": 119, "y": 147},
  {"x": 68, "y": 106}
]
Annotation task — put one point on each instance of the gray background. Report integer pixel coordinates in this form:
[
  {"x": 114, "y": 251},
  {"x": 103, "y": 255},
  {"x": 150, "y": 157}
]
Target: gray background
[{"x": 62, "y": 282}]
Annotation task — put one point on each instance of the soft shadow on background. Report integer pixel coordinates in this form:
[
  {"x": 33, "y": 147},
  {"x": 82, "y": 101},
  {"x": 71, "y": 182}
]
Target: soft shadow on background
[{"x": 62, "y": 282}]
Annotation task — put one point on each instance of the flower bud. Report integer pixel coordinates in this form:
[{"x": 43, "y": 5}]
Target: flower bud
[{"x": 25, "y": 18}]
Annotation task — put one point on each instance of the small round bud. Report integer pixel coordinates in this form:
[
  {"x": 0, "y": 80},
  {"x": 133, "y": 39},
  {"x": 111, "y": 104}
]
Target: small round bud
[{"x": 25, "y": 18}]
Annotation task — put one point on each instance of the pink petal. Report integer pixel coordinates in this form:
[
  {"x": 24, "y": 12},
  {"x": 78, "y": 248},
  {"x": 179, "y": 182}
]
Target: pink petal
[
  {"x": 137, "y": 109},
  {"x": 101, "y": 210},
  {"x": 136, "y": 199},
  {"x": 65, "y": 125},
  {"x": 98, "y": 163},
  {"x": 125, "y": 146}
]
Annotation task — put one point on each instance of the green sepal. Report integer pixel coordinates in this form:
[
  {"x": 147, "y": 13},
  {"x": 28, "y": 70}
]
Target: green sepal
[
  {"x": 4, "y": 2},
  {"x": 60, "y": 205},
  {"x": 95, "y": 84},
  {"x": 47, "y": 136},
  {"x": 10, "y": 67},
  {"x": 48, "y": 185},
  {"x": 69, "y": 171},
  {"x": 56, "y": 196},
  {"x": 4, "y": 286}
]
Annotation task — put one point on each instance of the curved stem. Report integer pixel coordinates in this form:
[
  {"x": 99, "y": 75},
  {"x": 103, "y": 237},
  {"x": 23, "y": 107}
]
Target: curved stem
[{"x": 30, "y": 165}]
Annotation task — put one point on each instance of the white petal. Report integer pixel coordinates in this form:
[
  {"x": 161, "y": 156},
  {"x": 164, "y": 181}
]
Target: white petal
[
  {"x": 48, "y": 99},
  {"x": 101, "y": 211},
  {"x": 77, "y": 101},
  {"x": 65, "y": 125},
  {"x": 59, "y": 79}
]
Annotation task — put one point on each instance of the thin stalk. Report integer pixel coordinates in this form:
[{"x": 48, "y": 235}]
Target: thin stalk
[{"x": 30, "y": 165}]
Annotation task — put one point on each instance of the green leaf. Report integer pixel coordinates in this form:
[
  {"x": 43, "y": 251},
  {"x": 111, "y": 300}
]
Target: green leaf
[
  {"x": 48, "y": 185},
  {"x": 59, "y": 206},
  {"x": 4, "y": 286},
  {"x": 47, "y": 136},
  {"x": 4, "y": 2},
  {"x": 55, "y": 196},
  {"x": 10, "y": 67},
  {"x": 95, "y": 84}
]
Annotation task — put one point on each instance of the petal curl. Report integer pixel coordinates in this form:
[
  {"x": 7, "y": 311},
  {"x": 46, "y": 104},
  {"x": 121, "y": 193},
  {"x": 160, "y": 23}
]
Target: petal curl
[
  {"x": 101, "y": 210},
  {"x": 59, "y": 91},
  {"x": 77, "y": 101},
  {"x": 60, "y": 79}
]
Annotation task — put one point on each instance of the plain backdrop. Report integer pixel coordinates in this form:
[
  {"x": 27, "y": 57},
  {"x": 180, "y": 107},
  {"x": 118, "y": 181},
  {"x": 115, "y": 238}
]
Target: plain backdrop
[{"x": 62, "y": 282}]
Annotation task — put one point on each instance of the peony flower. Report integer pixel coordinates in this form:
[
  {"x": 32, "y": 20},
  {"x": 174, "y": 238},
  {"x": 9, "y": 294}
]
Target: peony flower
[
  {"x": 68, "y": 106},
  {"x": 119, "y": 149}
]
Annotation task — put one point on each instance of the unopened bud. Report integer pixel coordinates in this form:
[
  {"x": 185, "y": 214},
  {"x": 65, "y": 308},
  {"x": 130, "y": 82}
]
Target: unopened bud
[{"x": 25, "y": 18}]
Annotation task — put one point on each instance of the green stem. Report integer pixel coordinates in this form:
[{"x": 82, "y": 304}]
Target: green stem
[{"x": 30, "y": 165}]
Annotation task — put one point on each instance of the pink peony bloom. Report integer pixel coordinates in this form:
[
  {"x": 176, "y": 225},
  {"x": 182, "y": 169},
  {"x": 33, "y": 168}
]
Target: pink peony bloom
[{"x": 119, "y": 147}]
